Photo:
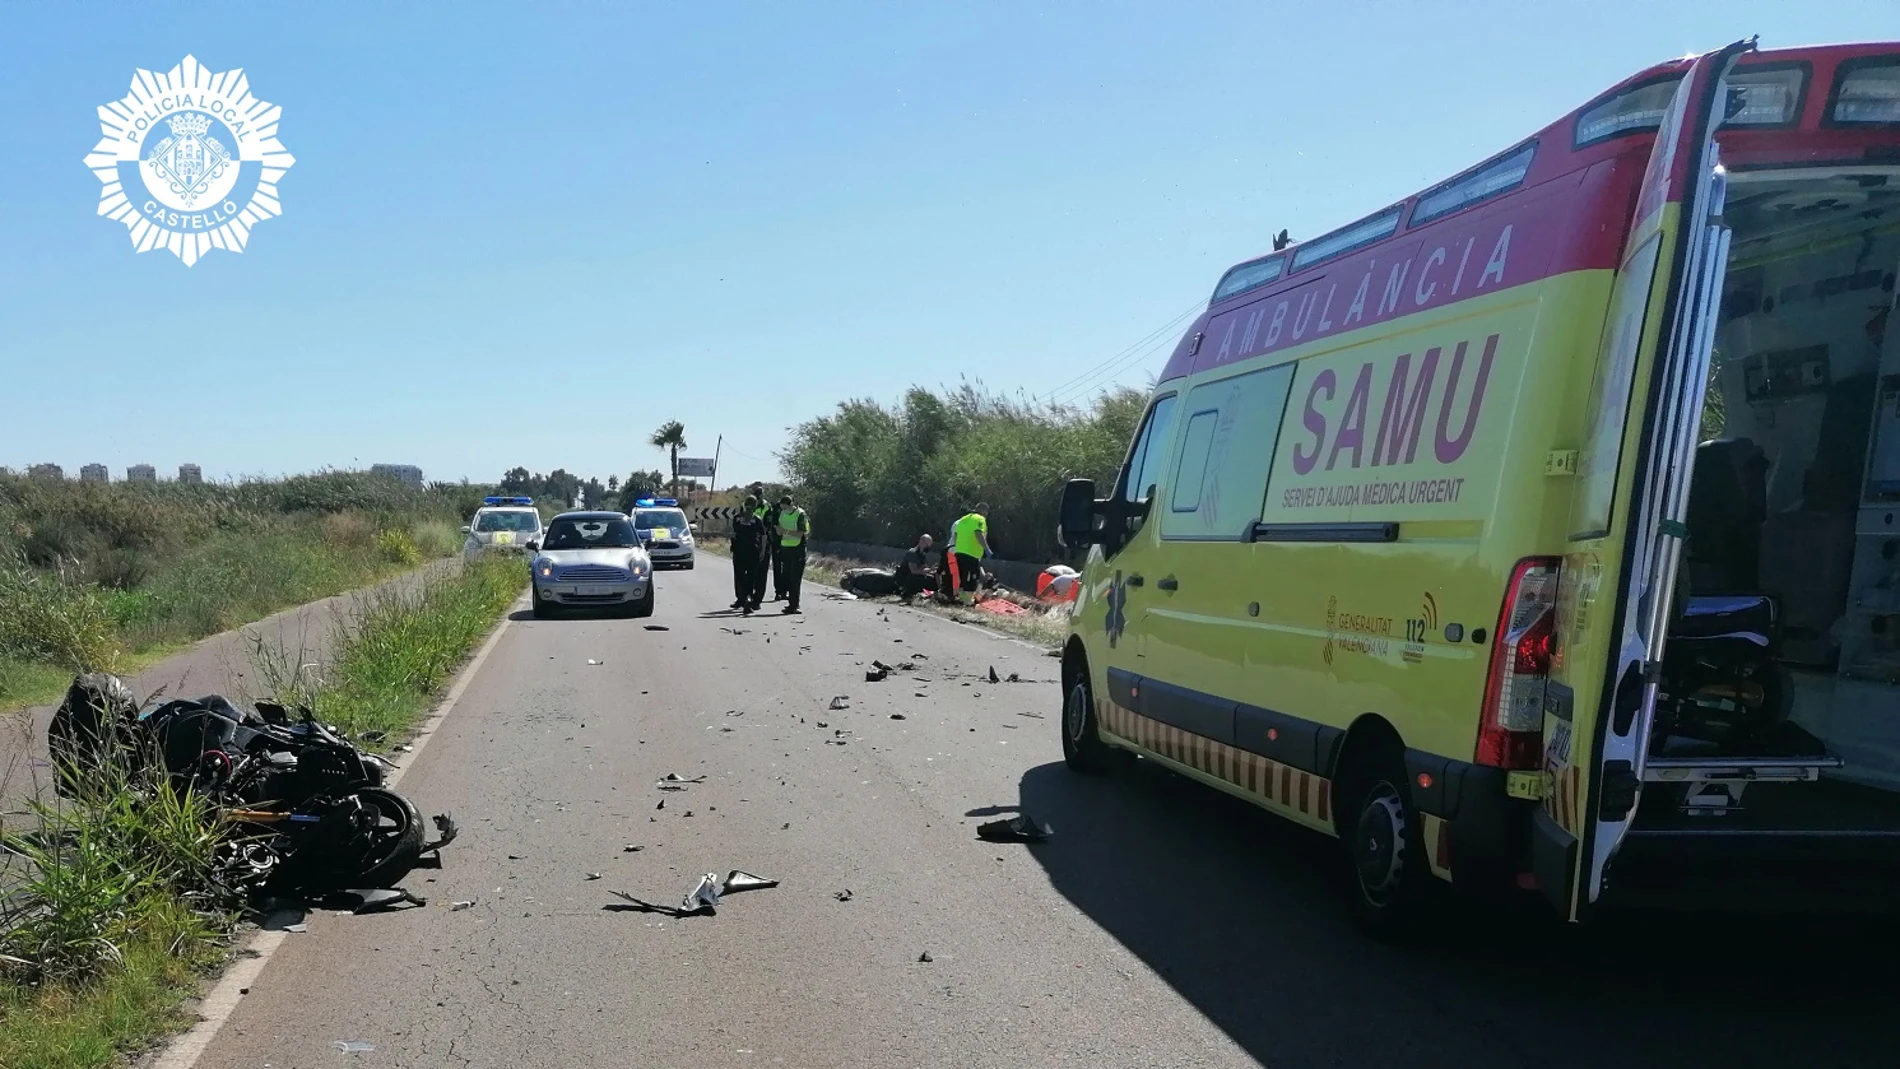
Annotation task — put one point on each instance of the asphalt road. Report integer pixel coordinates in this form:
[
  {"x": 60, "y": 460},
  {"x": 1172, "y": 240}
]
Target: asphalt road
[{"x": 1162, "y": 925}]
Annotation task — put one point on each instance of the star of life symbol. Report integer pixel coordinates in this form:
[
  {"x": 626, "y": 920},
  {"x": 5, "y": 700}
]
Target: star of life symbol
[{"x": 189, "y": 161}]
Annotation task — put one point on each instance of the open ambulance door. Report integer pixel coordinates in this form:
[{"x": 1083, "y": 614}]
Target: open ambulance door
[{"x": 1618, "y": 575}]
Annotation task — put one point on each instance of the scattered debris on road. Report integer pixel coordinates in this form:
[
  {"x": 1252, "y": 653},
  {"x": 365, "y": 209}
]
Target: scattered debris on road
[
  {"x": 674, "y": 777},
  {"x": 994, "y": 678},
  {"x": 632, "y": 848},
  {"x": 842, "y": 896},
  {"x": 353, "y": 1046},
  {"x": 593, "y": 876},
  {"x": 658, "y": 627},
  {"x": 925, "y": 958},
  {"x": 897, "y": 716},
  {"x": 1017, "y": 829},
  {"x": 457, "y": 907},
  {"x": 876, "y": 675},
  {"x": 446, "y": 831},
  {"x": 1033, "y": 716},
  {"x": 590, "y": 660},
  {"x": 703, "y": 898},
  {"x": 297, "y": 929},
  {"x": 842, "y": 701},
  {"x": 1013, "y": 678}
]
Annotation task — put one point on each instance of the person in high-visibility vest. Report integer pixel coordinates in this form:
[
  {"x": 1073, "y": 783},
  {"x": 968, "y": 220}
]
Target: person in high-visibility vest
[
  {"x": 970, "y": 542},
  {"x": 793, "y": 529}
]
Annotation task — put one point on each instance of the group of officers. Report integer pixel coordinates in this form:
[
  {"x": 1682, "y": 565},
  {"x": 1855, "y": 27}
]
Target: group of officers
[{"x": 768, "y": 539}]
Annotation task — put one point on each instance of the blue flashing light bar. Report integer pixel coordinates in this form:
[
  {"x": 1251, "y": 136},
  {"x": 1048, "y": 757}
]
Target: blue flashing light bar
[
  {"x": 507, "y": 501},
  {"x": 655, "y": 502}
]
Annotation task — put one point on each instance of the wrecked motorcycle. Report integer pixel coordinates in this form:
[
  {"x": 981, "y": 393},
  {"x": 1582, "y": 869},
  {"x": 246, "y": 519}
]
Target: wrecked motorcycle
[{"x": 305, "y": 808}]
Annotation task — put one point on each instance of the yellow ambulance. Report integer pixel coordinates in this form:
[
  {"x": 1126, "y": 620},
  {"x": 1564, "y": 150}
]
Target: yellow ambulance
[{"x": 1540, "y": 533}]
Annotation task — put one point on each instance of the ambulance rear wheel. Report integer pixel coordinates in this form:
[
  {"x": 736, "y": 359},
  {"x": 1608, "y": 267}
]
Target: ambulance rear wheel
[
  {"x": 1082, "y": 745},
  {"x": 1382, "y": 839}
]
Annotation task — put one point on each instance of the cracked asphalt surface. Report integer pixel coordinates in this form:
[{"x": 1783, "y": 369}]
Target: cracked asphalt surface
[{"x": 1162, "y": 925}]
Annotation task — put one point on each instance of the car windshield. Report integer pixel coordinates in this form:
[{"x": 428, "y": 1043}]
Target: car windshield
[
  {"x": 604, "y": 533},
  {"x": 518, "y": 521},
  {"x": 671, "y": 519}
]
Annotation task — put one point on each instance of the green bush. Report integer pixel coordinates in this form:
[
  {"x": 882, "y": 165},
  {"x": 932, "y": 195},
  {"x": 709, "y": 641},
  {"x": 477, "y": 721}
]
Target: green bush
[
  {"x": 868, "y": 473},
  {"x": 397, "y": 547},
  {"x": 437, "y": 538},
  {"x": 53, "y": 617}
]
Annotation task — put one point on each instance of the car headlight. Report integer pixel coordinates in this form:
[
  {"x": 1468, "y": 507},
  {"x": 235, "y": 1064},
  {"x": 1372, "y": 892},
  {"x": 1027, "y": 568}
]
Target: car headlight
[{"x": 544, "y": 568}]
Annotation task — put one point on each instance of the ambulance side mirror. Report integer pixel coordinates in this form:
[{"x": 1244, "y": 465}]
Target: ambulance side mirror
[{"x": 1076, "y": 525}]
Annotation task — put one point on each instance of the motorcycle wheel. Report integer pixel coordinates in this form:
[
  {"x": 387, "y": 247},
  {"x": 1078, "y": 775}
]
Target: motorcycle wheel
[{"x": 395, "y": 840}]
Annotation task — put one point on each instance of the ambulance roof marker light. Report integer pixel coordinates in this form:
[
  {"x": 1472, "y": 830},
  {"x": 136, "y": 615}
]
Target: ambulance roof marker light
[
  {"x": 1497, "y": 175},
  {"x": 1867, "y": 94},
  {"x": 1765, "y": 97},
  {"x": 1637, "y": 108}
]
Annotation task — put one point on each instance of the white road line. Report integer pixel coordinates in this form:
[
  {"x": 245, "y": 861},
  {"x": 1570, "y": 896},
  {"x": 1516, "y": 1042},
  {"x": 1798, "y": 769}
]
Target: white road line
[{"x": 223, "y": 998}]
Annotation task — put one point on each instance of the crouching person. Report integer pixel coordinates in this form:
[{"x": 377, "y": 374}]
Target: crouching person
[{"x": 914, "y": 574}]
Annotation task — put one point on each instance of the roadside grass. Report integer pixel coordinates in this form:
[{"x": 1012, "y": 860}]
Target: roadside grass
[
  {"x": 395, "y": 648},
  {"x": 90, "y": 1025},
  {"x": 111, "y": 912}
]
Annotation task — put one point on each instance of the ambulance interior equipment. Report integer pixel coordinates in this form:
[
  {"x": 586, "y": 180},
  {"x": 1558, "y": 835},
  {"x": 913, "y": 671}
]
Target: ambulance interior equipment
[{"x": 1782, "y": 673}]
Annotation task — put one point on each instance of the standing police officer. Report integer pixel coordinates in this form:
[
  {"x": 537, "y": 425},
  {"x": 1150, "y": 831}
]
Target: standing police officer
[
  {"x": 793, "y": 529},
  {"x": 774, "y": 559},
  {"x": 751, "y": 543}
]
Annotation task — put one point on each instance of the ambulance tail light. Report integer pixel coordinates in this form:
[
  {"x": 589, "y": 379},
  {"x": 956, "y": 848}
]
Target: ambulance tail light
[{"x": 1511, "y": 725}]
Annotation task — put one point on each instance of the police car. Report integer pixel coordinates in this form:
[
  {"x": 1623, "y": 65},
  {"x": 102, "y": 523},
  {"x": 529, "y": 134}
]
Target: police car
[
  {"x": 664, "y": 531},
  {"x": 502, "y": 524}
]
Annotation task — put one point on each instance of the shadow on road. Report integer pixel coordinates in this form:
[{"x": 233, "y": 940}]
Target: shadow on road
[{"x": 1237, "y": 911}]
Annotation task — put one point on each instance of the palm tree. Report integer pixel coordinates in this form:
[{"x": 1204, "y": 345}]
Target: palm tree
[{"x": 671, "y": 437}]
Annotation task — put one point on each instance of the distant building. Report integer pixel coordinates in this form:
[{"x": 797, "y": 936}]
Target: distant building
[
  {"x": 190, "y": 473},
  {"x": 94, "y": 473},
  {"x": 141, "y": 473},
  {"x": 407, "y": 474},
  {"x": 46, "y": 471}
]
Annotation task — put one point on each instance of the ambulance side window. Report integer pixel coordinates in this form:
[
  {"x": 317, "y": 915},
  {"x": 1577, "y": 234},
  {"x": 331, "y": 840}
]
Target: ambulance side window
[
  {"x": 1150, "y": 449},
  {"x": 1220, "y": 481}
]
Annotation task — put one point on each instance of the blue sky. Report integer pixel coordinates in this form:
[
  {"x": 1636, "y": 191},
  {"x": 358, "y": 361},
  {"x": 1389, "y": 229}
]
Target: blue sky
[{"x": 528, "y": 234}]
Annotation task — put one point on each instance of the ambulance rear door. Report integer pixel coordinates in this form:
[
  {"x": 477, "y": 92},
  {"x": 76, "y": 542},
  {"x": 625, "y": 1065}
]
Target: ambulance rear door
[{"x": 1619, "y": 569}]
